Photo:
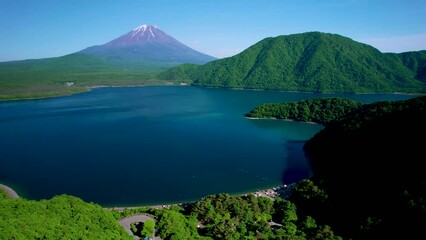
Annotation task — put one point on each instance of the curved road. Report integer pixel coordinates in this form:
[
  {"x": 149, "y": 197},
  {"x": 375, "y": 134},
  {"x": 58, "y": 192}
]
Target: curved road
[
  {"x": 9, "y": 191},
  {"x": 125, "y": 222}
]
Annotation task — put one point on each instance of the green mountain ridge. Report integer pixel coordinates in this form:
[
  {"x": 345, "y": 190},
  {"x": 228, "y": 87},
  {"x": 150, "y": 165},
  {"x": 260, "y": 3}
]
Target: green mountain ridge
[{"x": 312, "y": 62}]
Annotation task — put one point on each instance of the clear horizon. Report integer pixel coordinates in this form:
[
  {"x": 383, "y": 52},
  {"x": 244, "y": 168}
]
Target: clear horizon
[{"x": 49, "y": 28}]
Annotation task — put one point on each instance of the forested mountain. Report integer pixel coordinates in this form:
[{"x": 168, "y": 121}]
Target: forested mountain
[
  {"x": 370, "y": 166},
  {"x": 416, "y": 61},
  {"x": 314, "y": 62}
]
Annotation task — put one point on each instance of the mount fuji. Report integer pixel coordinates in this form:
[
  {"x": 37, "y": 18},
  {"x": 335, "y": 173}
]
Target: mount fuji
[
  {"x": 147, "y": 43},
  {"x": 134, "y": 58}
]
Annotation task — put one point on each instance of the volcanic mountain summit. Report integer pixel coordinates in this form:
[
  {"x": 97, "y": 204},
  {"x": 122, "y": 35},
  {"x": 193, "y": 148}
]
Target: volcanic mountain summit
[
  {"x": 148, "y": 43},
  {"x": 142, "y": 35}
]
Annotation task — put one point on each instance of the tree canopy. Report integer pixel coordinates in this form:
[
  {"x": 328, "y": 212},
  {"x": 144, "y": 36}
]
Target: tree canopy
[
  {"x": 62, "y": 217},
  {"x": 321, "y": 110}
]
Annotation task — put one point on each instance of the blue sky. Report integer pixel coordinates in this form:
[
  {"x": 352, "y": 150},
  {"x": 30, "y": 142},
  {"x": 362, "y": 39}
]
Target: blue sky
[{"x": 221, "y": 28}]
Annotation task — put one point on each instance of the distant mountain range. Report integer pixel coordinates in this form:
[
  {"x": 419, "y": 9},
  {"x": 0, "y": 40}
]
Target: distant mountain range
[{"x": 314, "y": 62}]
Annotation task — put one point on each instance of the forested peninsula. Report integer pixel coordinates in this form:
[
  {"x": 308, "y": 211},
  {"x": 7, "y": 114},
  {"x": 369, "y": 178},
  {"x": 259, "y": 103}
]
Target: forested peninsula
[{"x": 321, "y": 110}]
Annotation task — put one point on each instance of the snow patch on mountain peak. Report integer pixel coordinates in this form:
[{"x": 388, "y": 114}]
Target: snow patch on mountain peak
[{"x": 140, "y": 31}]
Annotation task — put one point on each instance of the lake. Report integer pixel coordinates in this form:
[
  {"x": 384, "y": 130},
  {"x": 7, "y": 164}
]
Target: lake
[{"x": 151, "y": 145}]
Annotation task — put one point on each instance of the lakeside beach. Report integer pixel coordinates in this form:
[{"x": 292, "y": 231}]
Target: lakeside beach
[
  {"x": 272, "y": 193},
  {"x": 282, "y": 191}
]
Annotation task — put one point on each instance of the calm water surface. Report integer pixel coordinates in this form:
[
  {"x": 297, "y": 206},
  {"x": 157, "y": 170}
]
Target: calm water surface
[{"x": 149, "y": 145}]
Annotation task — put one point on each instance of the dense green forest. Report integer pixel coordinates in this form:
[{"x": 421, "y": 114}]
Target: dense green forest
[
  {"x": 368, "y": 181},
  {"x": 223, "y": 216},
  {"x": 372, "y": 159},
  {"x": 250, "y": 217},
  {"x": 214, "y": 217},
  {"x": 184, "y": 73},
  {"x": 313, "y": 62},
  {"x": 416, "y": 61},
  {"x": 321, "y": 110},
  {"x": 62, "y": 217}
]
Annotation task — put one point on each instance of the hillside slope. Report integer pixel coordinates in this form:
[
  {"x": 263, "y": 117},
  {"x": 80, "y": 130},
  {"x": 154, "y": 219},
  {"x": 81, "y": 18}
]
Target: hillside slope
[
  {"x": 370, "y": 164},
  {"x": 147, "y": 43},
  {"x": 62, "y": 217},
  {"x": 314, "y": 62}
]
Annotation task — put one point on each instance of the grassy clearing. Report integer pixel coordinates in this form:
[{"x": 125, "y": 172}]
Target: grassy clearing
[{"x": 52, "y": 77}]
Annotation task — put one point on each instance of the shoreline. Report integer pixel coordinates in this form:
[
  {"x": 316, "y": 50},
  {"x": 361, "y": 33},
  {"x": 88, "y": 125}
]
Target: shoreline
[
  {"x": 271, "y": 193},
  {"x": 85, "y": 89},
  {"x": 9, "y": 191},
  {"x": 288, "y": 91},
  {"x": 288, "y": 120},
  {"x": 89, "y": 88}
]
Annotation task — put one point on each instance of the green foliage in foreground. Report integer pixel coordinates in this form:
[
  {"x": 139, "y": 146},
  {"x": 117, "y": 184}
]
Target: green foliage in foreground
[
  {"x": 62, "y": 217},
  {"x": 214, "y": 217},
  {"x": 248, "y": 217},
  {"x": 322, "y": 110},
  {"x": 174, "y": 225},
  {"x": 3, "y": 195},
  {"x": 148, "y": 228},
  {"x": 311, "y": 62}
]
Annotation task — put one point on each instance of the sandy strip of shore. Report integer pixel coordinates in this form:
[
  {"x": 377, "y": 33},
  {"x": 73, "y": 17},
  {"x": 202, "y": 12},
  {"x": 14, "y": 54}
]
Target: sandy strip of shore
[
  {"x": 271, "y": 193},
  {"x": 283, "y": 119},
  {"x": 9, "y": 191}
]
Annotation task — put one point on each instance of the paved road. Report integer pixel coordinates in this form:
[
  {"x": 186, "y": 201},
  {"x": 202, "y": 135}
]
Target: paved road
[
  {"x": 125, "y": 222},
  {"x": 9, "y": 191}
]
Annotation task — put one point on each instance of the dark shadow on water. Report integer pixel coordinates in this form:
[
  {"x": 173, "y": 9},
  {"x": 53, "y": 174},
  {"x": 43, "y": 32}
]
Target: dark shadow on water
[{"x": 297, "y": 165}]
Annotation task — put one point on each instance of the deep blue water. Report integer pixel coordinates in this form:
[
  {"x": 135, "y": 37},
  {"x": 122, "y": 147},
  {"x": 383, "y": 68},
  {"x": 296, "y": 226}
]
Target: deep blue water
[{"x": 149, "y": 145}]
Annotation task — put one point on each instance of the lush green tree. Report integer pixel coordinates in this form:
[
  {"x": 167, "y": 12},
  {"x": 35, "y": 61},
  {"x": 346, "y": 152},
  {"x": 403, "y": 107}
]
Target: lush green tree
[
  {"x": 3, "y": 195},
  {"x": 310, "y": 199},
  {"x": 133, "y": 228},
  {"x": 285, "y": 211},
  {"x": 174, "y": 225},
  {"x": 148, "y": 228},
  {"x": 230, "y": 217}
]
